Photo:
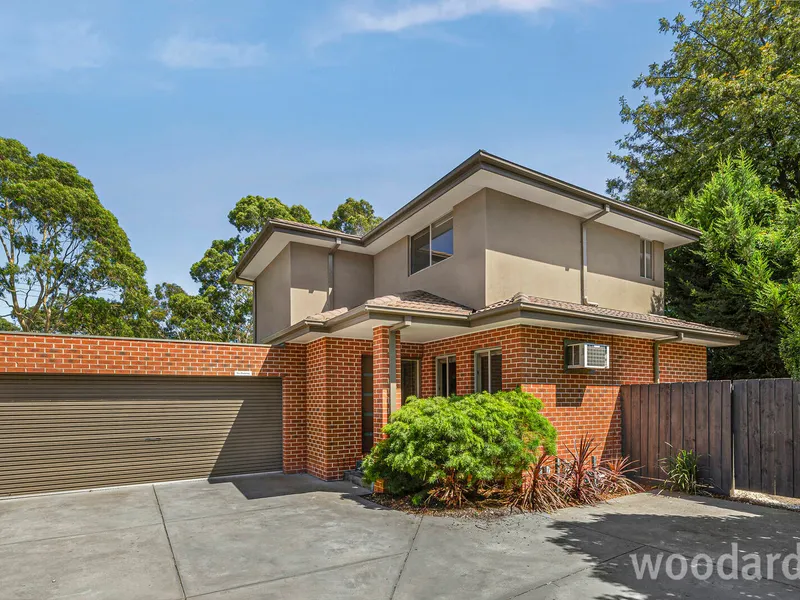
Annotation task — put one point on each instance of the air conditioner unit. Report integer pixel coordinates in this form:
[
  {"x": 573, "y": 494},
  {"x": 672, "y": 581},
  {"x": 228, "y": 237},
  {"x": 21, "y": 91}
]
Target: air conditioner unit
[{"x": 583, "y": 355}]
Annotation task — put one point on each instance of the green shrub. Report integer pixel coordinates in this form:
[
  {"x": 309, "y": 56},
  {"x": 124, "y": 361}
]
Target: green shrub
[
  {"x": 459, "y": 441},
  {"x": 682, "y": 471}
]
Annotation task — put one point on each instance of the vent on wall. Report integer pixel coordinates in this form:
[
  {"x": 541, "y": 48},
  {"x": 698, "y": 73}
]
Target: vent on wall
[{"x": 583, "y": 355}]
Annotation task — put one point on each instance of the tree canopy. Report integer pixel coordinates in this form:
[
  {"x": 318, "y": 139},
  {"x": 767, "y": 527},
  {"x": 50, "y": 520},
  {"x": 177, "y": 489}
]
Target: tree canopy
[
  {"x": 355, "y": 217},
  {"x": 744, "y": 274},
  {"x": 64, "y": 253},
  {"x": 730, "y": 87},
  {"x": 731, "y": 82}
]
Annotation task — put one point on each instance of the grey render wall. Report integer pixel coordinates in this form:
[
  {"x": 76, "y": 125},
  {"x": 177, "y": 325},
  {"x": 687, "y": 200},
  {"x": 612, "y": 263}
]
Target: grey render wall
[
  {"x": 460, "y": 277},
  {"x": 309, "y": 267},
  {"x": 537, "y": 250},
  {"x": 502, "y": 245},
  {"x": 614, "y": 279},
  {"x": 295, "y": 285},
  {"x": 273, "y": 296}
]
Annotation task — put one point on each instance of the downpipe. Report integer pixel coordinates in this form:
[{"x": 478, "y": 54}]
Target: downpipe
[
  {"x": 585, "y": 252},
  {"x": 656, "y": 346}
]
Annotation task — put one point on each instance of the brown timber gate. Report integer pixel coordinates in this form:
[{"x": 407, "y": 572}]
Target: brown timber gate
[
  {"x": 746, "y": 433},
  {"x": 61, "y": 432}
]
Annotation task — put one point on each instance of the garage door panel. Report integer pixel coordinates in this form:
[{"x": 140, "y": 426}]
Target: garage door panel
[{"x": 71, "y": 432}]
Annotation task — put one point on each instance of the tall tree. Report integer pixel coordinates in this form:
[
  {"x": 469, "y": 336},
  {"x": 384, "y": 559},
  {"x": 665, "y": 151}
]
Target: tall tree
[
  {"x": 185, "y": 316},
  {"x": 355, "y": 217},
  {"x": 62, "y": 249},
  {"x": 745, "y": 272},
  {"x": 731, "y": 82}
]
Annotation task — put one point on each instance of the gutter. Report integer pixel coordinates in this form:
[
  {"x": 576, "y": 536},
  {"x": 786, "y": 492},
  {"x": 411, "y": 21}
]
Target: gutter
[
  {"x": 536, "y": 308},
  {"x": 481, "y": 160},
  {"x": 585, "y": 252},
  {"x": 495, "y": 164},
  {"x": 656, "y": 346}
]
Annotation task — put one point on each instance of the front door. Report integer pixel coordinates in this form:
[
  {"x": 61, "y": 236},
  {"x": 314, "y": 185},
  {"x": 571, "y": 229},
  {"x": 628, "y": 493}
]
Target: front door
[
  {"x": 366, "y": 403},
  {"x": 409, "y": 378}
]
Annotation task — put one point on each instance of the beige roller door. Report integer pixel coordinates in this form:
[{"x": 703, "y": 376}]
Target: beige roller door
[{"x": 62, "y": 432}]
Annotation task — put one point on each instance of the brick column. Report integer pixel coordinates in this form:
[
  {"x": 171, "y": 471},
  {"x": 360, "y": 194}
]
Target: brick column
[{"x": 381, "y": 385}]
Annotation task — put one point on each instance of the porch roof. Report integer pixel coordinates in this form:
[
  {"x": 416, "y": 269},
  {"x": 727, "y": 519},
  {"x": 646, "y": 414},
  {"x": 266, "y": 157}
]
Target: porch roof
[{"x": 432, "y": 317}]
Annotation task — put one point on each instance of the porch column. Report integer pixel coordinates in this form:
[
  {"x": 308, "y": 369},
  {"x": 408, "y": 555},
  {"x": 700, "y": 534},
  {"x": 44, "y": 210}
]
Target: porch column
[{"x": 384, "y": 378}]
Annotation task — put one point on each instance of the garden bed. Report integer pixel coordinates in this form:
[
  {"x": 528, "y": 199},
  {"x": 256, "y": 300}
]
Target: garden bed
[{"x": 476, "y": 509}]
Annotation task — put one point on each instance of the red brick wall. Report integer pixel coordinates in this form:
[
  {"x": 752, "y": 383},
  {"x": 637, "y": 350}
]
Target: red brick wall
[
  {"x": 576, "y": 403},
  {"x": 681, "y": 362},
  {"x": 321, "y": 380},
  {"x": 23, "y": 353},
  {"x": 333, "y": 405}
]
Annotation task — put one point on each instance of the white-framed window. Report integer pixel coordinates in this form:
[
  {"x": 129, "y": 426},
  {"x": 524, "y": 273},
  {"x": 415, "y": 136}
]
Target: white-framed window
[
  {"x": 445, "y": 376},
  {"x": 488, "y": 370},
  {"x": 646, "y": 258},
  {"x": 431, "y": 245}
]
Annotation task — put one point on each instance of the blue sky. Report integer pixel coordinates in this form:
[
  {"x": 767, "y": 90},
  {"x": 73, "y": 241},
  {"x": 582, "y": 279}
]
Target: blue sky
[{"x": 176, "y": 109}]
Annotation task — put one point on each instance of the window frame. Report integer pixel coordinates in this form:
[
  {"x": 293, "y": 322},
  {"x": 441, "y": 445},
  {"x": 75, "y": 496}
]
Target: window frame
[
  {"x": 417, "y": 379},
  {"x": 496, "y": 350},
  {"x": 429, "y": 230},
  {"x": 646, "y": 259},
  {"x": 436, "y": 362}
]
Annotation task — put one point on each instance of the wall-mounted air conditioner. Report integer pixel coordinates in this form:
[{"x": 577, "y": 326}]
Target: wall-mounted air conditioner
[{"x": 584, "y": 355}]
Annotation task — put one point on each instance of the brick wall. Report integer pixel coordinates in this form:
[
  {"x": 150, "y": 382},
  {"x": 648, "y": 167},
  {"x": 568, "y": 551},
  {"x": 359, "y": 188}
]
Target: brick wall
[
  {"x": 576, "y": 403},
  {"x": 23, "y": 353},
  {"x": 333, "y": 405},
  {"x": 322, "y": 385}
]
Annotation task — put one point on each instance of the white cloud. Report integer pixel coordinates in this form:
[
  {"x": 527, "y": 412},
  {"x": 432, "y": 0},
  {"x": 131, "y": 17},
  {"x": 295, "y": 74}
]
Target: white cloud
[
  {"x": 33, "y": 51},
  {"x": 406, "y": 16},
  {"x": 182, "y": 52}
]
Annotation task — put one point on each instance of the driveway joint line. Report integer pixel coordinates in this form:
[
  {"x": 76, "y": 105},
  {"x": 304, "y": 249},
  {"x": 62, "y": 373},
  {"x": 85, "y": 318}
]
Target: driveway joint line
[
  {"x": 296, "y": 575},
  {"x": 405, "y": 560},
  {"x": 169, "y": 543},
  {"x": 568, "y": 575},
  {"x": 77, "y": 535},
  {"x": 224, "y": 515}
]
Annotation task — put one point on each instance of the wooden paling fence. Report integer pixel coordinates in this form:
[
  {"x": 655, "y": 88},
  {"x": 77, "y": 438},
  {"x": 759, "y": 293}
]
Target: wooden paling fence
[
  {"x": 659, "y": 419},
  {"x": 746, "y": 433},
  {"x": 766, "y": 423}
]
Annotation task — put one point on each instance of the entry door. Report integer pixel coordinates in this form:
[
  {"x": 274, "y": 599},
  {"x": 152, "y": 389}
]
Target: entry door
[{"x": 366, "y": 403}]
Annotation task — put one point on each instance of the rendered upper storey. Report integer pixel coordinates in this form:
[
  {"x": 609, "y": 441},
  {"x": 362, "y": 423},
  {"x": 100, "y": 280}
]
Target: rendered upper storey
[{"x": 487, "y": 231}]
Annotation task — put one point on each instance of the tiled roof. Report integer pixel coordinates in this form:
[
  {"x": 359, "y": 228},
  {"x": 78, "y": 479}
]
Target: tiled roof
[
  {"x": 419, "y": 300},
  {"x": 416, "y": 300},
  {"x": 606, "y": 312}
]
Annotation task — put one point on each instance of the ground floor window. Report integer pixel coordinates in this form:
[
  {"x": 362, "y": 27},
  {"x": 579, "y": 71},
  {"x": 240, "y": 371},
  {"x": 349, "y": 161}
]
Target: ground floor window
[
  {"x": 409, "y": 378},
  {"x": 445, "y": 376},
  {"x": 488, "y": 371}
]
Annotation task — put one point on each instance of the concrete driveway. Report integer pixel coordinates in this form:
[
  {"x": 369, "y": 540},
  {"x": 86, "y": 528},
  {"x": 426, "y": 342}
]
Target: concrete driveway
[{"x": 296, "y": 537}]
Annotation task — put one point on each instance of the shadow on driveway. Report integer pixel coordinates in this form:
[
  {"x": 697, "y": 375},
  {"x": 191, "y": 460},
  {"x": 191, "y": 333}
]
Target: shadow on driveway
[{"x": 730, "y": 542}]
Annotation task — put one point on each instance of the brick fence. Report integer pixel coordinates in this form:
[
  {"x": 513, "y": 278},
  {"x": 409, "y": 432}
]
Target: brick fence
[{"x": 68, "y": 354}]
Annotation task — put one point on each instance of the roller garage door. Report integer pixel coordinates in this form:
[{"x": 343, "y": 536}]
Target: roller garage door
[{"x": 62, "y": 432}]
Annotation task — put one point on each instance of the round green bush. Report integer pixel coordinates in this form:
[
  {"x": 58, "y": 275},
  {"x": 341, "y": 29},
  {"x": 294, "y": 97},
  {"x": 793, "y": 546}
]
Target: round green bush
[{"x": 477, "y": 438}]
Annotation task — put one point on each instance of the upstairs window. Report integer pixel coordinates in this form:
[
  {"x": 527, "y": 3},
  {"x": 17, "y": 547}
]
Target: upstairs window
[
  {"x": 432, "y": 245},
  {"x": 646, "y": 259}
]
